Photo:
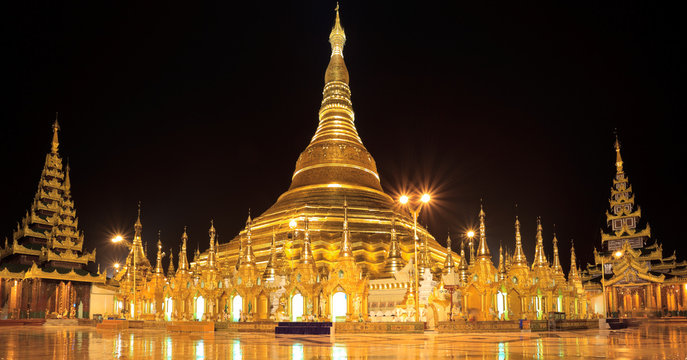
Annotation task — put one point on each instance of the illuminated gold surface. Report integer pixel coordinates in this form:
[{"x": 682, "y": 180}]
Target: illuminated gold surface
[
  {"x": 333, "y": 167},
  {"x": 653, "y": 341}
]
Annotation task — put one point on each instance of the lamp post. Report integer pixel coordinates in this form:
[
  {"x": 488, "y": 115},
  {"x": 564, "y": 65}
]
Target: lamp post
[
  {"x": 616, "y": 255},
  {"x": 405, "y": 200},
  {"x": 120, "y": 239}
]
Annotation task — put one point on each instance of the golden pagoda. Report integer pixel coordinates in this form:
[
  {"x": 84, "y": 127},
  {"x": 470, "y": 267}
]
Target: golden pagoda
[
  {"x": 43, "y": 269},
  {"x": 638, "y": 280},
  {"x": 334, "y": 167}
]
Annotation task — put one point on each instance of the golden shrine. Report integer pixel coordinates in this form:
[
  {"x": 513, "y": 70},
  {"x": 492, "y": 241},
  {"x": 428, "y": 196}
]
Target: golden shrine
[
  {"x": 336, "y": 247},
  {"x": 43, "y": 268},
  {"x": 637, "y": 280}
]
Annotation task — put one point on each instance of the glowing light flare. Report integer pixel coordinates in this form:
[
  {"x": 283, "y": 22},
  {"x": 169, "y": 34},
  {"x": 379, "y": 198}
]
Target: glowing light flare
[
  {"x": 618, "y": 254},
  {"x": 293, "y": 224},
  {"x": 425, "y": 198},
  {"x": 117, "y": 239},
  {"x": 403, "y": 199},
  {"x": 470, "y": 234},
  {"x": 116, "y": 266}
]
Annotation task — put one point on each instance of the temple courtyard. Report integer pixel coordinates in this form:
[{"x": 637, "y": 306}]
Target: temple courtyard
[{"x": 664, "y": 340}]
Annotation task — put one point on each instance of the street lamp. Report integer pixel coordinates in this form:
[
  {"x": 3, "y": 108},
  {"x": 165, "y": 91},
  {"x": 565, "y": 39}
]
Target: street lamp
[
  {"x": 471, "y": 235},
  {"x": 405, "y": 200},
  {"x": 616, "y": 255},
  {"x": 120, "y": 239}
]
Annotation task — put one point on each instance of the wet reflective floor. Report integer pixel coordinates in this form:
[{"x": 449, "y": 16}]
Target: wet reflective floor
[{"x": 649, "y": 341}]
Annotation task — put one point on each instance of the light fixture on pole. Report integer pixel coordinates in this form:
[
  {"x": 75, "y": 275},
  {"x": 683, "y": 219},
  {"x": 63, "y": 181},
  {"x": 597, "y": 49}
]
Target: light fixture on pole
[
  {"x": 415, "y": 211},
  {"x": 119, "y": 239}
]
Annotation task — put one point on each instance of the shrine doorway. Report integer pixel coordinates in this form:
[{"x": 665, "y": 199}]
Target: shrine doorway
[
  {"x": 200, "y": 308},
  {"x": 168, "y": 308},
  {"x": 339, "y": 306},
  {"x": 296, "y": 307},
  {"x": 236, "y": 308}
]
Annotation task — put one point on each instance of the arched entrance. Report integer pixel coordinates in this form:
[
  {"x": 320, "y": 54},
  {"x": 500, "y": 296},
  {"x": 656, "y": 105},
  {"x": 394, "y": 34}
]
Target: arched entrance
[
  {"x": 339, "y": 306},
  {"x": 502, "y": 304},
  {"x": 296, "y": 307},
  {"x": 236, "y": 308},
  {"x": 200, "y": 307},
  {"x": 263, "y": 306},
  {"x": 168, "y": 308}
]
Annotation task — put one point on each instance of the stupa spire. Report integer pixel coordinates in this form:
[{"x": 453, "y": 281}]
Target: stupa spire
[
  {"x": 394, "y": 260},
  {"x": 211, "y": 253},
  {"x": 618, "y": 158},
  {"x": 170, "y": 269},
  {"x": 556, "y": 261},
  {"x": 55, "y": 139},
  {"x": 336, "y": 153},
  {"x": 270, "y": 273},
  {"x": 346, "y": 247},
  {"x": 248, "y": 256},
  {"x": 539, "y": 256},
  {"x": 183, "y": 259},
  {"x": 449, "y": 264},
  {"x": 573, "y": 262},
  {"x": 463, "y": 268},
  {"x": 519, "y": 258},
  {"x": 160, "y": 254},
  {"x": 502, "y": 264},
  {"x": 482, "y": 249}
]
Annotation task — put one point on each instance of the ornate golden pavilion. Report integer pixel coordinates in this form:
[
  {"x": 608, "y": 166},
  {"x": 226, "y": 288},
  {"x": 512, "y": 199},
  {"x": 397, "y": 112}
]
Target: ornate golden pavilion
[
  {"x": 336, "y": 247},
  {"x": 43, "y": 269},
  {"x": 638, "y": 280}
]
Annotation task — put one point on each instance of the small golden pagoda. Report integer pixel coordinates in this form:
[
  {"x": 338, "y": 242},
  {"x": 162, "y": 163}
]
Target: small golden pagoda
[{"x": 638, "y": 280}]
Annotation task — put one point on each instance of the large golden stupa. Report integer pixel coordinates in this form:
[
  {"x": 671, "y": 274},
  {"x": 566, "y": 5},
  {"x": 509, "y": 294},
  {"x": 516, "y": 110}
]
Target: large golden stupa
[{"x": 336, "y": 167}]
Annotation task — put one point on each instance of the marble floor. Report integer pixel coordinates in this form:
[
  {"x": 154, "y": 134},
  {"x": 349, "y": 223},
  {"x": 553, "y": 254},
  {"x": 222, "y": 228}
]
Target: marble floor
[{"x": 649, "y": 341}]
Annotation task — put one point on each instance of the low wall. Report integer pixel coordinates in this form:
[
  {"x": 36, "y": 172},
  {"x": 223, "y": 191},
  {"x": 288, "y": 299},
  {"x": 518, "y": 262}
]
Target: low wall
[
  {"x": 378, "y": 327},
  {"x": 478, "y": 326},
  {"x": 190, "y": 326},
  {"x": 513, "y": 325},
  {"x": 246, "y": 326}
]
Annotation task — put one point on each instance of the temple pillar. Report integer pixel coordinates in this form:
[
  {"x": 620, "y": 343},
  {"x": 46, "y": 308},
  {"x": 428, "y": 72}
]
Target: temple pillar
[{"x": 659, "y": 299}]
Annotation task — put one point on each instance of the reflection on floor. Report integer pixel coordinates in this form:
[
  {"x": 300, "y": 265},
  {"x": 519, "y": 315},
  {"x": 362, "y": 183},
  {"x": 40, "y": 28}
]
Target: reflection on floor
[{"x": 647, "y": 341}]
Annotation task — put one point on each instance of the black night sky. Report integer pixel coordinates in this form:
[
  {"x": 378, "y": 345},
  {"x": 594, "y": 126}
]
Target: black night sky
[{"x": 200, "y": 111}]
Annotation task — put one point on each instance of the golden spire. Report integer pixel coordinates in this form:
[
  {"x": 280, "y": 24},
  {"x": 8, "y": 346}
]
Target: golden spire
[
  {"x": 618, "y": 158},
  {"x": 240, "y": 253},
  {"x": 539, "y": 256},
  {"x": 336, "y": 153},
  {"x": 170, "y": 269},
  {"x": 183, "y": 260},
  {"x": 573, "y": 262},
  {"x": 248, "y": 256},
  {"x": 346, "y": 247},
  {"x": 160, "y": 254},
  {"x": 394, "y": 260},
  {"x": 306, "y": 257},
  {"x": 137, "y": 244},
  {"x": 270, "y": 273},
  {"x": 556, "y": 261},
  {"x": 483, "y": 249},
  {"x": 463, "y": 265},
  {"x": 67, "y": 184},
  {"x": 55, "y": 140},
  {"x": 502, "y": 265},
  {"x": 337, "y": 38},
  {"x": 449, "y": 264},
  {"x": 211, "y": 252},
  {"x": 519, "y": 258}
]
